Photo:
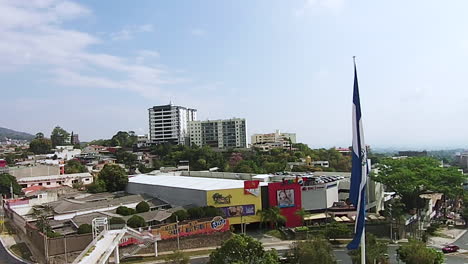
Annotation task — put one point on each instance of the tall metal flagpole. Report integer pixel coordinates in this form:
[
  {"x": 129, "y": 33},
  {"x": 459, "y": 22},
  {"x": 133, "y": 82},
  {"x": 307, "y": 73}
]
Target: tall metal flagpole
[{"x": 363, "y": 174}]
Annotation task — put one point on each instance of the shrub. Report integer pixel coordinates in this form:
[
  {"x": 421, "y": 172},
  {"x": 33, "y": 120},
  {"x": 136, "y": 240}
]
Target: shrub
[
  {"x": 117, "y": 221},
  {"x": 85, "y": 229},
  {"x": 136, "y": 221},
  {"x": 142, "y": 207},
  {"x": 123, "y": 210},
  {"x": 53, "y": 234},
  {"x": 181, "y": 215}
]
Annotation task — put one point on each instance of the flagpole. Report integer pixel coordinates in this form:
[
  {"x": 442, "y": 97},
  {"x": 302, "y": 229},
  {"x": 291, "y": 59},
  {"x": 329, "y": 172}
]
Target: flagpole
[
  {"x": 363, "y": 245},
  {"x": 363, "y": 235}
]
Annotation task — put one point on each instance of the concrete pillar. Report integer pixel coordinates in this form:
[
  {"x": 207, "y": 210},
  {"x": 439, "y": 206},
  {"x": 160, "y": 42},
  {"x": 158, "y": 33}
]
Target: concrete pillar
[
  {"x": 155, "y": 248},
  {"x": 116, "y": 255}
]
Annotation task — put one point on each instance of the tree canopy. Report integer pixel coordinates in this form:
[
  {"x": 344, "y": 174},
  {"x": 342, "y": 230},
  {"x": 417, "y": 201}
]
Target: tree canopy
[
  {"x": 74, "y": 166},
  {"x": 376, "y": 251},
  {"x": 85, "y": 229},
  {"x": 411, "y": 177},
  {"x": 114, "y": 177},
  {"x": 142, "y": 207},
  {"x": 123, "y": 139},
  {"x": 59, "y": 137},
  {"x": 6, "y": 181},
  {"x": 415, "y": 252},
  {"x": 242, "y": 249},
  {"x": 317, "y": 250},
  {"x": 136, "y": 221},
  {"x": 40, "y": 145}
]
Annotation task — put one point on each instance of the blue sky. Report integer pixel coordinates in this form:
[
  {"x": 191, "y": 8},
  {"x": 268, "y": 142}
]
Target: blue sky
[{"x": 95, "y": 67}]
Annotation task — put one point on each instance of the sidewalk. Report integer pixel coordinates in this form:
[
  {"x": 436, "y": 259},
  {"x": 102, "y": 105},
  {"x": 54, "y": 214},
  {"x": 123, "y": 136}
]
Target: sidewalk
[{"x": 450, "y": 236}]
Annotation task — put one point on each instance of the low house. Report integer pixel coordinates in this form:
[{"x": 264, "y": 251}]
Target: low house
[{"x": 53, "y": 181}]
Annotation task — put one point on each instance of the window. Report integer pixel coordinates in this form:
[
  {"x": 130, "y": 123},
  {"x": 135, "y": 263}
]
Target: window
[
  {"x": 48, "y": 183},
  {"x": 40, "y": 184}
]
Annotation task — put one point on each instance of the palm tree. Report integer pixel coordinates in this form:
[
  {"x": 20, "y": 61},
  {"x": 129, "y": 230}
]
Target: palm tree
[
  {"x": 272, "y": 215},
  {"x": 42, "y": 215},
  {"x": 302, "y": 213}
]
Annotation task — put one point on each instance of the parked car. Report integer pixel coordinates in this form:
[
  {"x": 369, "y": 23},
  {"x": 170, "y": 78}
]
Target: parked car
[{"x": 450, "y": 249}]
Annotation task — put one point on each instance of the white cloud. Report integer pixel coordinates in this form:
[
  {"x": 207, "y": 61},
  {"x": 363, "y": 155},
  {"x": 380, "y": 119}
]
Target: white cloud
[
  {"x": 145, "y": 55},
  {"x": 33, "y": 34},
  {"x": 315, "y": 6},
  {"x": 129, "y": 31},
  {"x": 197, "y": 32}
]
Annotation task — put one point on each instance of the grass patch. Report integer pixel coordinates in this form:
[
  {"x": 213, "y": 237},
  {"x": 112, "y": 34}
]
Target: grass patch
[
  {"x": 21, "y": 250},
  {"x": 276, "y": 233},
  {"x": 134, "y": 260}
]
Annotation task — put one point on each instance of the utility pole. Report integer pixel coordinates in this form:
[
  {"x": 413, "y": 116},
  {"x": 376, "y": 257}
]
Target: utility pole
[{"x": 177, "y": 226}]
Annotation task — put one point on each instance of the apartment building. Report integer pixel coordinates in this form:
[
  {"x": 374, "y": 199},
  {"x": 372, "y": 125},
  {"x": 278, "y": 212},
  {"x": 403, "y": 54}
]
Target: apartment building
[
  {"x": 169, "y": 123},
  {"x": 269, "y": 141},
  {"x": 222, "y": 134}
]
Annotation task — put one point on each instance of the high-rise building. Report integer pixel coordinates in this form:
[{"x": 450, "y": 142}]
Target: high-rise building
[
  {"x": 168, "y": 123},
  {"x": 226, "y": 133}
]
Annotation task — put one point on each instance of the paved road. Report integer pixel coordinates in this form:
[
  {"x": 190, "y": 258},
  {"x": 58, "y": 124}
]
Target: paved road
[
  {"x": 5, "y": 258},
  {"x": 342, "y": 257},
  {"x": 462, "y": 242}
]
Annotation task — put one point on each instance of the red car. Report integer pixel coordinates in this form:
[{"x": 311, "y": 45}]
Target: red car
[{"x": 450, "y": 249}]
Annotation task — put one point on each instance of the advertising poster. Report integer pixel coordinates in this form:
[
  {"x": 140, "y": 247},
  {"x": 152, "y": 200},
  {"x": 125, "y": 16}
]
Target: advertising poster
[
  {"x": 217, "y": 224},
  {"x": 285, "y": 198},
  {"x": 239, "y": 210}
]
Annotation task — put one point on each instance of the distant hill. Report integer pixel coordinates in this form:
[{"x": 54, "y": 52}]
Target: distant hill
[{"x": 9, "y": 133}]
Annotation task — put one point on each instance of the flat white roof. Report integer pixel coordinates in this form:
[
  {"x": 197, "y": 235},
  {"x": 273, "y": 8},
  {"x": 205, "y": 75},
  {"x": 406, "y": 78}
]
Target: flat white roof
[
  {"x": 54, "y": 177},
  {"x": 186, "y": 182}
]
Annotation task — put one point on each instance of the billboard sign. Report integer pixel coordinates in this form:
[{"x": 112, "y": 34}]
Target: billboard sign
[
  {"x": 238, "y": 210},
  {"x": 217, "y": 224},
  {"x": 285, "y": 198}
]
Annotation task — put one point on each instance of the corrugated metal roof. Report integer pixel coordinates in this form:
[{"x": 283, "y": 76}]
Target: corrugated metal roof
[
  {"x": 185, "y": 182},
  {"x": 55, "y": 177}
]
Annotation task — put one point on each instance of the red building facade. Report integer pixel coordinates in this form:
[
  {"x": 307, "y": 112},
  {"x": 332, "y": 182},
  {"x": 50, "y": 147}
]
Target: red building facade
[{"x": 287, "y": 196}]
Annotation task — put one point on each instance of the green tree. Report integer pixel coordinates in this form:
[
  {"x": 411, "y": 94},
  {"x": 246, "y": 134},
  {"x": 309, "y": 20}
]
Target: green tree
[
  {"x": 242, "y": 249},
  {"x": 272, "y": 215},
  {"x": 74, "y": 166},
  {"x": 415, "y": 252},
  {"x": 85, "y": 229},
  {"x": 59, "y": 137},
  {"x": 301, "y": 213},
  {"x": 98, "y": 186},
  {"x": 114, "y": 177},
  {"x": 411, "y": 177},
  {"x": 376, "y": 251},
  {"x": 40, "y": 145},
  {"x": 136, "y": 221},
  {"x": 317, "y": 250},
  {"x": 127, "y": 158},
  {"x": 142, "y": 207},
  {"x": 178, "y": 257},
  {"x": 123, "y": 139},
  {"x": 336, "y": 230},
  {"x": 180, "y": 215},
  {"x": 42, "y": 214},
  {"x": 6, "y": 182},
  {"x": 117, "y": 221},
  {"x": 123, "y": 210}
]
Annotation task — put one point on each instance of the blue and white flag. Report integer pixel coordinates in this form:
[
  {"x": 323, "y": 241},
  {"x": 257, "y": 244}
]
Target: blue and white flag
[{"x": 357, "y": 193}]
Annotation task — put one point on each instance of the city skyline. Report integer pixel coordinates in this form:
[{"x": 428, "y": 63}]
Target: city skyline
[{"x": 281, "y": 65}]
